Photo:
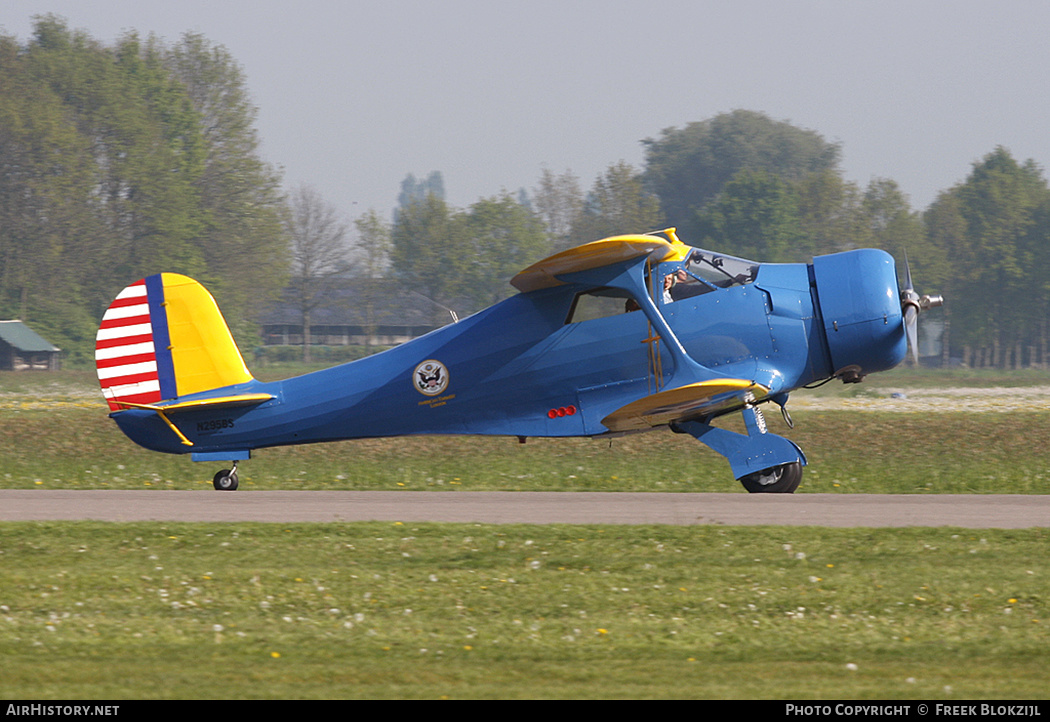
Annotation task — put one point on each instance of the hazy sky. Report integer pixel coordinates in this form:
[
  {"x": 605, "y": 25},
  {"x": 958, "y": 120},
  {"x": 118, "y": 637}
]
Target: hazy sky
[{"x": 352, "y": 96}]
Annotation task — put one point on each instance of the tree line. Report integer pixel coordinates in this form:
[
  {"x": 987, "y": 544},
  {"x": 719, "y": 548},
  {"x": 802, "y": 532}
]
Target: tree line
[{"x": 117, "y": 161}]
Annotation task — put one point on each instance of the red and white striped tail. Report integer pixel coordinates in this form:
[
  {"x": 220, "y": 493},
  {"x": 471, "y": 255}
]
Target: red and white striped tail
[{"x": 125, "y": 355}]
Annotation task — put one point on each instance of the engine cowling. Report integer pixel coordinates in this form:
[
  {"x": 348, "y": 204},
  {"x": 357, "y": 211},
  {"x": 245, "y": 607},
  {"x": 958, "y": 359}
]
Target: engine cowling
[{"x": 860, "y": 307}]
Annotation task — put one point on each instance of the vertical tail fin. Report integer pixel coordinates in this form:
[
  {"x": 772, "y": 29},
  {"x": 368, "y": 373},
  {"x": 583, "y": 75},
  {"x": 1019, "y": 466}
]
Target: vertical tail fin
[{"x": 162, "y": 338}]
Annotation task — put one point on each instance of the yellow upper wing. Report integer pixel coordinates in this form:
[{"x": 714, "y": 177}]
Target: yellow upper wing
[{"x": 543, "y": 274}]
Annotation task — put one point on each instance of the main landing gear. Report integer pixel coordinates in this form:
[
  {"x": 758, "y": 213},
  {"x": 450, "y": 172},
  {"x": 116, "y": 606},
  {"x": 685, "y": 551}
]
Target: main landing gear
[
  {"x": 783, "y": 479},
  {"x": 226, "y": 480},
  {"x": 763, "y": 462}
]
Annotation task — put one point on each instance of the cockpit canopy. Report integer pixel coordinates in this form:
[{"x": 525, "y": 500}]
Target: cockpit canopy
[
  {"x": 719, "y": 269},
  {"x": 705, "y": 271}
]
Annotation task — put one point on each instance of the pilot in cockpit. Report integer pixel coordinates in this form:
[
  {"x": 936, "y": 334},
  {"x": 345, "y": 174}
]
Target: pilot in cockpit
[
  {"x": 679, "y": 285},
  {"x": 706, "y": 272}
]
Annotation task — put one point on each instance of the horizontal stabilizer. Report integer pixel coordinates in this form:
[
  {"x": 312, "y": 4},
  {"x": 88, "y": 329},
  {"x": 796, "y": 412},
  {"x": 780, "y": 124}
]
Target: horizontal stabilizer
[
  {"x": 606, "y": 252},
  {"x": 210, "y": 403},
  {"x": 226, "y": 401},
  {"x": 689, "y": 401}
]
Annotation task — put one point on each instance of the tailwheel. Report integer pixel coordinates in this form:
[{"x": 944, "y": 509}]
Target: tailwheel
[
  {"x": 783, "y": 479},
  {"x": 225, "y": 480}
]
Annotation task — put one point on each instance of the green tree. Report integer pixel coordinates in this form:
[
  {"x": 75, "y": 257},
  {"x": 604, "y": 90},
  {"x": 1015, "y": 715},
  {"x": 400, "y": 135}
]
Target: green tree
[
  {"x": 124, "y": 196},
  {"x": 755, "y": 216},
  {"x": 688, "y": 167},
  {"x": 115, "y": 165},
  {"x": 989, "y": 227},
  {"x": 617, "y": 204},
  {"x": 157, "y": 160},
  {"x": 50, "y": 230},
  {"x": 1036, "y": 305},
  {"x": 243, "y": 238},
  {"x": 506, "y": 237},
  {"x": 430, "y": 252},
  {"x": 829, "y": 210}
]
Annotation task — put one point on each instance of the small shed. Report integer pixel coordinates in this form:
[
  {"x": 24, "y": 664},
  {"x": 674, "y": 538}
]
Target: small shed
[{"x": 23, "y": 349}]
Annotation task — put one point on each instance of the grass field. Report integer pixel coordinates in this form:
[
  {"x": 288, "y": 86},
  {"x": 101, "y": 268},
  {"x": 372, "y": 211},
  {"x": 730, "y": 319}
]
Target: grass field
[
  {"x": 121, "y": 611},
  {"x": 131, "y": 611}
]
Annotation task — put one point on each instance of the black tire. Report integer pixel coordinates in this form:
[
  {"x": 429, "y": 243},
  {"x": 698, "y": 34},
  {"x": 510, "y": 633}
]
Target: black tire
[
  {"x": 782, "y": 479},
  {"x": 225, "y": 480}
]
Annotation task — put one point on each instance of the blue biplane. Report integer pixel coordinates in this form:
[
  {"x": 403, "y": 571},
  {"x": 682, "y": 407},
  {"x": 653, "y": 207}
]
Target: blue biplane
[{"x": 622, "y": 335}]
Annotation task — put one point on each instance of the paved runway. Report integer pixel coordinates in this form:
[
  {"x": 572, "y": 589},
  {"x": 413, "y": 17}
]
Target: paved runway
[{"x": 832, "y": 510}]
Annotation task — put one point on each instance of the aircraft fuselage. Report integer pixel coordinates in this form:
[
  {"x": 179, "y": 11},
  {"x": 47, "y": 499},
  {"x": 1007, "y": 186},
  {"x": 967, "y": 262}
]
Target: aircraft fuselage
[{"x": 518, "y": 368}]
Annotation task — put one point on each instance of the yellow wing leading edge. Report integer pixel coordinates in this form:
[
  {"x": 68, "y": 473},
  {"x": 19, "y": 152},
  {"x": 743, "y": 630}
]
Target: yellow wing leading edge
[{"x": 543, "y": 274}]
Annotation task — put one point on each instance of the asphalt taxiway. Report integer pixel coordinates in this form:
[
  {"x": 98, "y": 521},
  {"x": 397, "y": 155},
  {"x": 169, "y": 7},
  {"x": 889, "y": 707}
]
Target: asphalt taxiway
[{"x": 987, "y": 511}]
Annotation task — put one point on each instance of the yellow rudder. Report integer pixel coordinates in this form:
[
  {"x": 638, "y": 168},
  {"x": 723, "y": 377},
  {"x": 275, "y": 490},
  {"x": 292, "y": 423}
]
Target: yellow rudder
[{"x": 204, "y": 355}]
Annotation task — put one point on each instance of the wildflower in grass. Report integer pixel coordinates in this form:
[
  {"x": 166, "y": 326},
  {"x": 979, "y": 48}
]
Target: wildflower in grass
[{"x": 275, "y": 655}]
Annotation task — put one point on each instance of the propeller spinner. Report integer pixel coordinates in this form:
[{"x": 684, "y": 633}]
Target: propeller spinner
[{"x": 911, "y": 304}]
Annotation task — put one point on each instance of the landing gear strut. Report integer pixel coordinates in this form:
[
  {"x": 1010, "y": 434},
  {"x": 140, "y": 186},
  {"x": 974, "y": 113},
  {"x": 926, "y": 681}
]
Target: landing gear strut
[{"x": 226, "y": 480}]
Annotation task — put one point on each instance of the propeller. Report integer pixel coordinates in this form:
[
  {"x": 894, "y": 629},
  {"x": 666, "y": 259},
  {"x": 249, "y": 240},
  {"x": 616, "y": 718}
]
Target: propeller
[{"x": 911, "y": 304}]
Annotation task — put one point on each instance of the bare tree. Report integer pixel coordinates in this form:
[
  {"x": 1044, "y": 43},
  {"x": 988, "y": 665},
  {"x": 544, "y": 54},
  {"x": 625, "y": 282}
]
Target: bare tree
[
  {"x": 373, "y": 251},
  {"x": 559, "y": 202},
  {"x": 320, "y": 252}
]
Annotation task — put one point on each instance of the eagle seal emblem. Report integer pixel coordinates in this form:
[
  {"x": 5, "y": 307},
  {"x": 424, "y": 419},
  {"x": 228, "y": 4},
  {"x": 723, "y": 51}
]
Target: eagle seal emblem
[{"x": 430, "y": 377}]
